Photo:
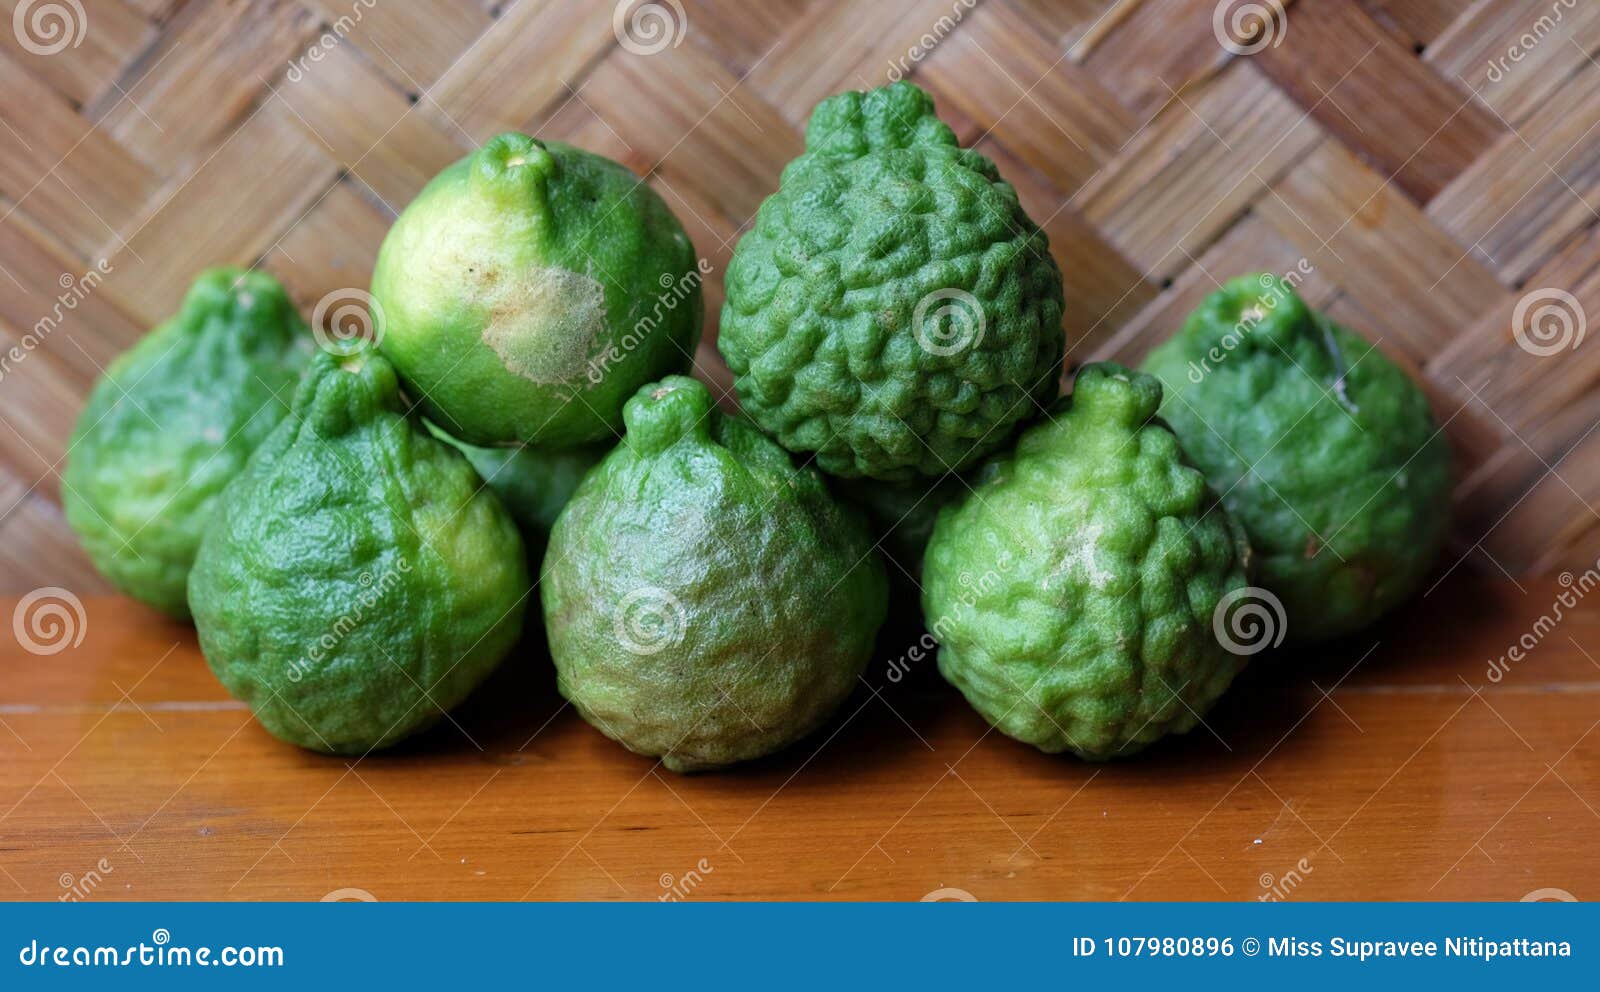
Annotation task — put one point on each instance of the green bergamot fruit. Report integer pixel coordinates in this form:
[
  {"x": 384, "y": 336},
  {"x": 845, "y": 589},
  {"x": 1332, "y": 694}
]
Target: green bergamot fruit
[
  {"x": 530, "y": 288},
  {"x": 893, "y": 309},
  {"x": 706, "y": 601},
  {"x": 1075, "y": 592},
  {"x": 172, "y": 421},
  {"x": 359, "y": 580},
  {"x": 534, "y": 483},
  {"x": 1325, "y": 450}
]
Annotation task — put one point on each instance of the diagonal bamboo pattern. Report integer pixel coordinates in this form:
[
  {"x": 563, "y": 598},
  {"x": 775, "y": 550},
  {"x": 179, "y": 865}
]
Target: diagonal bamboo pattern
[{"x": 1435, "y": 164}]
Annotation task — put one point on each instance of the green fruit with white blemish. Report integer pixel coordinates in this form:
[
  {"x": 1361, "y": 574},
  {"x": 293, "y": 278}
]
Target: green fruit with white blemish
[
  {"x": 1075, "y": 591},
  {"x": 530, "y": 289}
]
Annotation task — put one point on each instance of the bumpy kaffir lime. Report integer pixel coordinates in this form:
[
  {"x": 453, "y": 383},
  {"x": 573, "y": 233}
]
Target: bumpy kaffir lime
[
  {"x": 172, "y": 421},
  {"x": 530, "y": 288},
  {"x": 894, "y": 309},
  {"x": 1074, "y": 593},
  {"x": 1325, "y": 450},
  {"x": 707, "y": 602},
  {"x": 359, "y": 580}
]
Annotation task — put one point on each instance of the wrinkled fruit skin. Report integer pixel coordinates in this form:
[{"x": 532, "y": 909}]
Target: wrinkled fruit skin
[
  {"x": 706, "y": 601},
  {"x": 358, "y": 580},
  {"x": 530, "y": 288},
  {"x": 1324, "y": 449},
  {"x": 533, "y": 483},
  {"x": 1073, "y": 594},
  {"x": 893, "y": 309},
  {"x": 172, "y": 421}
]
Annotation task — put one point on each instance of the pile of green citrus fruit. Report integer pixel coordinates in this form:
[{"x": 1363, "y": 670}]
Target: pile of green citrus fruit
[{"x": 710, "y": 584}]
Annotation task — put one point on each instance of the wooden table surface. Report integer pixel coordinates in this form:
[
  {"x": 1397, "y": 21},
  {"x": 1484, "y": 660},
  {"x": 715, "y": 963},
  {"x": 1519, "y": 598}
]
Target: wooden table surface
[{"x": 1391, "y": 768}]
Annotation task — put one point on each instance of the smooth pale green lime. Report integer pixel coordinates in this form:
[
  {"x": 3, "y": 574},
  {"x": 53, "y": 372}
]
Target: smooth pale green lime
[
  {"x": 706, "y": 601},
  {"x": 1074, "y": 593},
  {"x": 172, "y": 421},
  {"x": 1325, "y": 450},
  {"x": 530, "y": 288},
  {"x": 359, "y": 580},
  {"x": 893, "y": 309}
]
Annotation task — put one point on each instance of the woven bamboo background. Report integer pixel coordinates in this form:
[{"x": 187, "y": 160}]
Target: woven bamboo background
[{"x": 1435, "y": 163}]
